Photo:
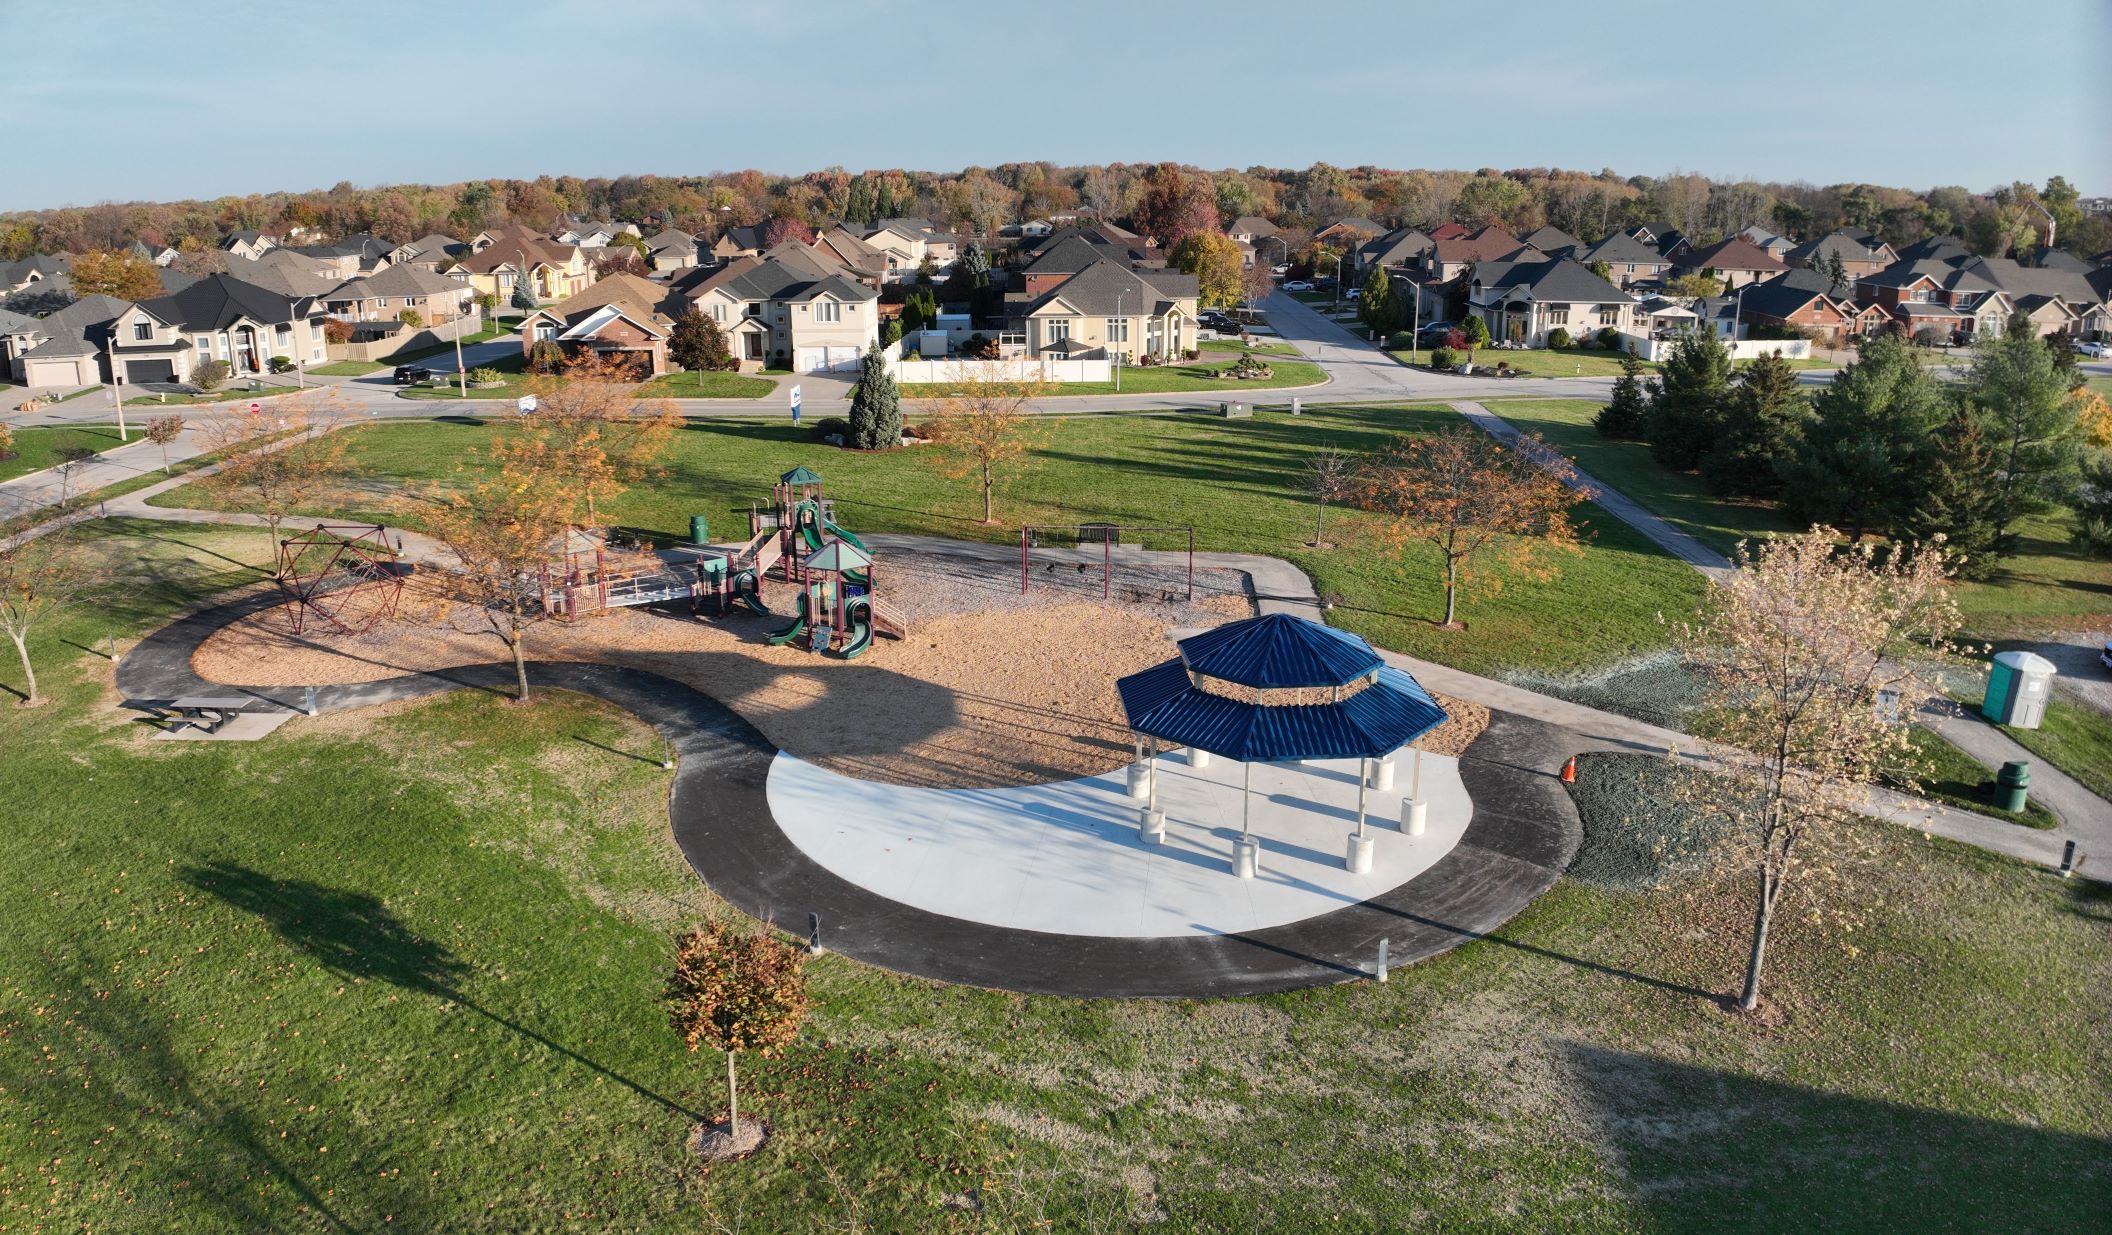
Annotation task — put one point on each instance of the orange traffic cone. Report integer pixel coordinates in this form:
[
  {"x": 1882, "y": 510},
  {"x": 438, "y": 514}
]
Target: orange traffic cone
[{"x": 1569, "y": 771}]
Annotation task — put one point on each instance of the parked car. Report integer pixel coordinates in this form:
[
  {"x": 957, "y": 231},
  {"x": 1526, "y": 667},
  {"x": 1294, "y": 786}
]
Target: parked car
[
  {"x": 1298, "y": 285},
  {"x": 1435, "y": 330},
  {"x": 2105, "y": 654},
  {"x": 1353, "y": 293},
  {"x": 2093, "y": 349},
  {"x": 413, "y": 375}
]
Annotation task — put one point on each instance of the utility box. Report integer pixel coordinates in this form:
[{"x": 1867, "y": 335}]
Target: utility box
[
  {"x": 1232, "y": 411},
  {"x": 2018, "y": 684}
]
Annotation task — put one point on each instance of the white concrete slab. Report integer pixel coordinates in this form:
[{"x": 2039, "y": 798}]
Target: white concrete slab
[{"x": 1066, "y": 858}]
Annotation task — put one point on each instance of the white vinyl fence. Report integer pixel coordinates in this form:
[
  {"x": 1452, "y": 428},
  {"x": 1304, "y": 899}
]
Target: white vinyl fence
[
  {"x": 1016, "y": 369},
  {"x": 1743, "y": 349}
]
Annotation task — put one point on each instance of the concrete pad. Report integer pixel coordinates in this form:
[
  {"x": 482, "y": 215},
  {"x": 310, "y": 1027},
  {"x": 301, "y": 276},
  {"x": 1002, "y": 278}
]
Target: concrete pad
[
  {"x": 1066, "y": 858},
  {"x": 248, "y": 727}
]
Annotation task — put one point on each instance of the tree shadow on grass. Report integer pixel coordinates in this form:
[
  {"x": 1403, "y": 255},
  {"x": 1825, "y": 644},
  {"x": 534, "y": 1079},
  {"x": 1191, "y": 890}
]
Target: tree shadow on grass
[
  {"x": 1707, "y": 1151},
  {"x": 354, "y": 934}
]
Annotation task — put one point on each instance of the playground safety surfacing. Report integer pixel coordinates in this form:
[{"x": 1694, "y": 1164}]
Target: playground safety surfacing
[{"x": 1067, "y": 858}]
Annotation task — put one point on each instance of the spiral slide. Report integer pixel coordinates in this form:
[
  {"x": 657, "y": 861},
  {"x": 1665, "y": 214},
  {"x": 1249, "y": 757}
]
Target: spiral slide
[{"x": 747, "y": 591}]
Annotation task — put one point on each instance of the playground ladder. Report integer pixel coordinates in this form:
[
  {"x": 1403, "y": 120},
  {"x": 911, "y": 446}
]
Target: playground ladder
[{"x": 889, "y": 620}]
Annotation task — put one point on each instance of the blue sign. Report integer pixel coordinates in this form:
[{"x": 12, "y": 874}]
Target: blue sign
[{"x": 795, "y": 404}]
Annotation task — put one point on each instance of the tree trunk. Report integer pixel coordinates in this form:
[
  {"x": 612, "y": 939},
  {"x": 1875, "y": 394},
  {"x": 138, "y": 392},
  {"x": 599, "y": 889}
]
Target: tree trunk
[
  {"x": 29, "y": 675},
  {"x": 733, "y": 1099},
  {"x": 1451, "y": 590},
  {"x": 520, "y": 665},
  {"x": 1319, "y": 523},
  {"x": 1763, "y": 917},
  {"x": 988, "y": 517}
]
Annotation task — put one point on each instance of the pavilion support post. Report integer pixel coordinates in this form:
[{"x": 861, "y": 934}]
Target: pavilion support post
[
  {"x": 1415, "y": 813},
  {"x": 1151, "y": 821},
  {"x": 1358, "y": 857},
  {"x": 1246, "y": 851}
]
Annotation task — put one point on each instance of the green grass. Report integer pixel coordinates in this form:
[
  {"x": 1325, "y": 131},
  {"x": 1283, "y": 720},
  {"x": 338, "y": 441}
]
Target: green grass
[
  {"x": 38, "y": 448},
  {"x": 1265, "y": 347},
  {"x": 1949, "y": 775},
  {"x": 1234, "y": 480},
  {"x": 490, "y": 331},
  {"x": 2074, "y": 737},
  {"x": 1166, "y": 379},
  {"x": 347, "y": 368},
  {"x": 400, "y": 970}
]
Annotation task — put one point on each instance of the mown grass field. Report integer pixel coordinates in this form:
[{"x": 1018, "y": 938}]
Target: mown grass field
[
  {"x": 516, "y": 382},
  {"x": 401, "y": 968},
  {"x": 1197, "y": 375},
  {"x": 38, "y": 448},
  {"x": 1236, "y": 481}
]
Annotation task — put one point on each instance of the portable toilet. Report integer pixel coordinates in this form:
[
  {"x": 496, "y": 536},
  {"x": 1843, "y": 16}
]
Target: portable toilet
[{"x": 2017, "y": 686}]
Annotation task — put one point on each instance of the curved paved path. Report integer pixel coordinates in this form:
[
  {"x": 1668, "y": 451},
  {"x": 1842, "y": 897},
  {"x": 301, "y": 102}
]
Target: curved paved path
[{"x": 1523, "y": 834}]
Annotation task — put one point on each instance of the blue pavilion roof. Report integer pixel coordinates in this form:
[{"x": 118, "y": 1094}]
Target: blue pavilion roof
[
  {"x": 1279, "y": 651},
  {"x": 1381, "y": 718}
]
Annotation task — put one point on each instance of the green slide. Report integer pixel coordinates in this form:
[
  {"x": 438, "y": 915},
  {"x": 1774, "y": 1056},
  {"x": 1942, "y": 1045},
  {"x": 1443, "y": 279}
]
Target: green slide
[
  {"x": 745, "y": 592},
  {"x": 833, "y": 530},
  {"x": 796, "y": 629},
  {"x": 860, "y": 613}
]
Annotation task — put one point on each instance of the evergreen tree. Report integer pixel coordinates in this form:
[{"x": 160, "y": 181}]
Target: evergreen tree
[
  {"x": 858, "y": 202},
  {"x": 876, "y": 408},
  {"x": 1857, "y": 466},
  {"x": 2028, "y": 413},
  {"x": 1762, "y": 419},
  {"x": 1377, "y": 305},
  {"x": 524, "y": 291},
  {"x": 883, "y": 202},
  {"x": 1625, "y": 415},
  {"x": 1477, "y": 334},
  {"x": 1958, "y": 495},
  {"x": 1687, "y": 401},
  {"x": 974, "y": 264}
]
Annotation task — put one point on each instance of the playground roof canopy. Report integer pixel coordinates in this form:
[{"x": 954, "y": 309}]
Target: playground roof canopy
[
  {"x": 799, "y": 476},
  {"x": 839, "y": 555},
  {"x": 1278, "y": 651},
  {"x": 1164, "y": 702}
]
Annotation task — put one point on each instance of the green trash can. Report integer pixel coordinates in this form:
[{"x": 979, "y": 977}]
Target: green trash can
[
  {"x": 699, "y": 530},
  {"x": 2012, "y": 785}
]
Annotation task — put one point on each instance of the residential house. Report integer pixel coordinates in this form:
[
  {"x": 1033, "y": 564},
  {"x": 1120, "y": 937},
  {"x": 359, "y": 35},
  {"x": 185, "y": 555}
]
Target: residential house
[
  {"x": 1768, "y": 242},
  {"x": 1668, "y": 240},
  {"x": 1109, "y": 309},
  {"x": 1859, "y": 253},
  {"x": 672, "y": 249},
  {"x": 737, "y": 242},
  {"x": 1522, "y": 301},
  {"x": 1449, "y": 231},
  {"x": 1398, "y": 249},
  {"x": 1054, "y": 265},
  {"x": 286, "y": 273},
  {"x": 788, "y": 308},
  {"x": 1935, "y": 249},
  {"x": 1630, "y": 263},
  {"x": 1350, "y": 232},
  {"x": 436, "y": 253},
  {"x": 160, "y": 255},
  {"x": 1115, "y": 243},
  {"x": 1735, "y": 260},
  {"x": 621, "y": 319},
  {"x": 386, "y": 295},
  {"x": 1802, "y": 300},
  {"x": 1251, "y": 229},
  {"x": 68, "y": 348},
  {"x": 350, "y": 257},
  {"x": 503, "y": 256},
  {"x": 841, "y": 245},
  {"x": 219, "y": 317},
  {"x": 1927, "y": 293},
  {"x": 1552, "y": 241},
  {"x": 13, "y": 326},
  {"x": 1438, "y": 273},
  {"x": 907, "y": 243},
  {"x": 250, "y": 244},
  {"x": 594, "y": 234},
  {"x": 1035, "y": 228},
  {"x": 2082, "y": 293},
  {"x": 36, "y": 268}
]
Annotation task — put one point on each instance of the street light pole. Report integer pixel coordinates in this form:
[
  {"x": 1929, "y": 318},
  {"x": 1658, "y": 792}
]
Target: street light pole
[{"x": 1125, "y": 339}]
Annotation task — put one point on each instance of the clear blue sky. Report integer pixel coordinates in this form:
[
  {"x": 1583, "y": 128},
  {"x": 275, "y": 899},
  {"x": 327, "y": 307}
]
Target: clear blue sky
[{"x": 122, "y": 100}]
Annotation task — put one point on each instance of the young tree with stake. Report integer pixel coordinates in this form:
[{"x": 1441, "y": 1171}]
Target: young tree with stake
[
  {"x": 1799, "y": 645},
  {"x": 599, "y": 434},
  {"x": 163, "y": 432},
  {"x": 1476, "y": 501},
  {"x": 735, "y": 989},
  {"x": 983, "y": 428},
  {"x": 37, "y": 576},
  {"x": 1330, "y": 476}
]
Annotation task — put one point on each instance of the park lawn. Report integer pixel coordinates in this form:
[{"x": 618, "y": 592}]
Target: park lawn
[
  {"x": 2073, "y": 736},
  {"x": 1542, "y": 362},
  {"x": 1200, "y": 375},
  {"x": 1265, "y": 347},
  {"x": 347, "y": 368},
  {"x": 667, "y": 386},
  {"x": 2047, "y": 583},
  {"x": 401, "y": 968},
  {"x": 38, "y": 447},
  {"x": 1236, "y": 481},
  {"x": 1947, "y": 774},
  {"x": 490, "y": 331}
]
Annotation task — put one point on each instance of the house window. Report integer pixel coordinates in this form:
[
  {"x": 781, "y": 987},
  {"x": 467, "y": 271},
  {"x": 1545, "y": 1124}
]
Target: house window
[
  {"x": 381, "y": 302},
  {"x": 1558, "y": 315},
  {"x": 1118, "y": 330},
  {"x": 143, "y": 331},
  {"x": 828, "y": 311},
  {"x": 315, "y": 330},
  {"x": 1921, "y": 295},
  {"x": 1631, "y": 267},
  {"x": 1609, "y": 315},
  {"x": 718, "y": 313},
  {"x": 545, "y": 330},
  {"x": 755, "y": 308},
  {"x": 205, "y": 345},
  {"x": 1056, "y": 330}
]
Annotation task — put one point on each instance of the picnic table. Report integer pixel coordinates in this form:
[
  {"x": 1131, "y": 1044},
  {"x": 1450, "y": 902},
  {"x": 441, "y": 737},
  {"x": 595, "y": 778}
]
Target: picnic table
[{"x": 209, "y": 712}]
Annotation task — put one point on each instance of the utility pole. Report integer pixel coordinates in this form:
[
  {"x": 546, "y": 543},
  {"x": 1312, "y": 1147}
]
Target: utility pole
[
  {"x": 1125, "y": 339},
  {"x": 117, "y": 378}
]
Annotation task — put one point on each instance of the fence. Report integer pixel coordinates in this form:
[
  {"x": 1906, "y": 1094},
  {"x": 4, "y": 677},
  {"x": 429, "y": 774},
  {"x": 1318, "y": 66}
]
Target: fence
[
  {"x": 405, "y": 339},
  {"x": 1016, "y": 369},
  {"x": 1743, "y": 349}
]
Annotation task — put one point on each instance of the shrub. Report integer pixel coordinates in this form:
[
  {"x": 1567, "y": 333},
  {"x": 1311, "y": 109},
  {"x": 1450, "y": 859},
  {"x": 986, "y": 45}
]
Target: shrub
[
  {"x": 546, "y": 357},
  {"x": 484, "y": 375},
  {"x": 1558, "y": 337},
  {"x": 979, "y": 347},
  {"x": 412, "y": 318},
  {"x": 830, "y": 426},
  {"x": 280, "y": 364},
  {"x": 1609, "y": 338},
  {"x": 335, "y": 331},
  {"x": 1400, "y": 341},
  {"x": 1445, "y": 358},
  {"x": 209, "y": 374}
]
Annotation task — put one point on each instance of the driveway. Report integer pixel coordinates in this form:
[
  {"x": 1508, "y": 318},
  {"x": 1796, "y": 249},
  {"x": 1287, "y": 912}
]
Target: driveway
[{"x": 2082, "y": 676}]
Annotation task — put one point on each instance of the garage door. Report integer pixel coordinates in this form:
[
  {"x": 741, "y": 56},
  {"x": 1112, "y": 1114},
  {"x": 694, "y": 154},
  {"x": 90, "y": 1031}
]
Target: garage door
[
  {"x": 53, "y": 373},
  {"x": 843, "y": 358},
  {"x": 810, "y": 359},
  {"x": 150, "y": 370}
]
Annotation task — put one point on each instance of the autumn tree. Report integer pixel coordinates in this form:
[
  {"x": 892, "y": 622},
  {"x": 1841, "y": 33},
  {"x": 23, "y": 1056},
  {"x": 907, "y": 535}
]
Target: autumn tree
[
  {"x": 7, "y": 440},
  {"x": 698, "y": 345},
  {"x": 736, "y": 989},
  {"x": 275, "y": 462},
  {"x": 1475, "y": 332},
  {"x": 37, "y": 575},
  {"x": 1213, "y": 258},
  {"x": 120, "y": 273},
  {"x": 1256, "y": 284},
  {"x": 1489, "y": 508},
  {"x": 1173, "y": 203},
  {"x": 983, "y": 427},
  {"x": 1800, "y": 647},
  {"x": 500, "y": 530},
  {"x": 1330, "y": 476},
  {"x": 163, "y": 432},
  {"x": 779, "y": 229},
  {"x": 602, "y": 437}
]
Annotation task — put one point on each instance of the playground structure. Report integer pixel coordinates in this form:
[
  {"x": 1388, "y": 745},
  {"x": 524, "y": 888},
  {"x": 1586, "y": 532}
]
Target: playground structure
[
  {"x": 343, "y": 575},
  {"x": 586, "y": 576},
  {"x": 835, "y": 608},
  {"x": 1073, "y": 546},
  {"x": 799, "y": 537}
]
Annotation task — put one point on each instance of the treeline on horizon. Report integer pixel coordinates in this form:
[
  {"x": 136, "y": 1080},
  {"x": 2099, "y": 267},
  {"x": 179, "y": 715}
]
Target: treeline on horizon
[{"x": 1159, "y": 199}]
